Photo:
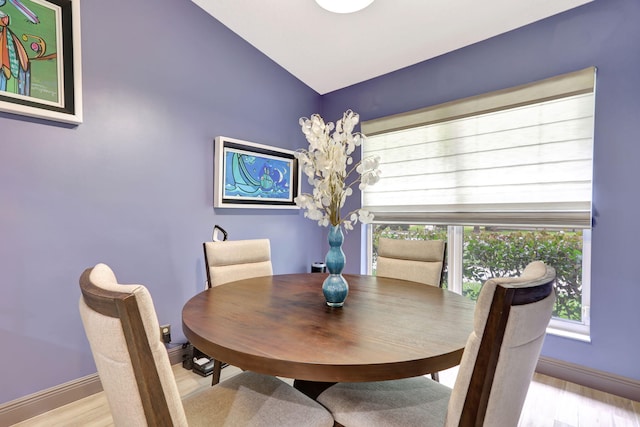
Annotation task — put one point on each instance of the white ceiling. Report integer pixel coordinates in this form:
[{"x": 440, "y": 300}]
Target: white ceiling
[{"x": 330, "y": 51}]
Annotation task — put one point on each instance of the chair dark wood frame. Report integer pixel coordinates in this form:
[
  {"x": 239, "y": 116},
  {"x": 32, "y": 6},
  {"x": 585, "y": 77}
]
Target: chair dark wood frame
[
  {"x": 217, "y": 364},
  {"x": 206, "y": 263},
  {"x": 444, "y": 264},
  {"x": 481, "y": 382},
  {"x": 435, "y": 375},
  {"x": 124, "y": 306}
]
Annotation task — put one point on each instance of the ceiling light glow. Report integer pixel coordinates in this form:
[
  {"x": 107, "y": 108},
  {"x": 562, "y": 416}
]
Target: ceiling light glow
[{"x": 344, "y": 6}]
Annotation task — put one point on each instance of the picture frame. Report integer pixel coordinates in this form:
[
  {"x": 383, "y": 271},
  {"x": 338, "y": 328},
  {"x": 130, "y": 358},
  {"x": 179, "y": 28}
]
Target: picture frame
[
  {"x": 250, "y": 175},
  {"x": 45, "y": 77}
]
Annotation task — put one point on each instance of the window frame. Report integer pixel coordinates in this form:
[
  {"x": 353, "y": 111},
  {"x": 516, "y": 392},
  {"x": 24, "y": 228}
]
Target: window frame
[
  {"x": 455, "y": 217},
  {"x": 580, "y": 331}
]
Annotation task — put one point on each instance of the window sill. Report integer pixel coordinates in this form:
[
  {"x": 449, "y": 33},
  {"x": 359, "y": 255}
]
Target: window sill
[{"x": 583, "y": 336}]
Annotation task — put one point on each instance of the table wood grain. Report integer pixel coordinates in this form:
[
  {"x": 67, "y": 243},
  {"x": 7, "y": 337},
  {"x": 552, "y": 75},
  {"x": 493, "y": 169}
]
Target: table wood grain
[{"x": 280, "y": 325}]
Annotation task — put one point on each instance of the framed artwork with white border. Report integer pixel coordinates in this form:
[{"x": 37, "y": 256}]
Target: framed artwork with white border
[
  {"x": 250, "y": 175},
  {"x": 40, "y": 39}
]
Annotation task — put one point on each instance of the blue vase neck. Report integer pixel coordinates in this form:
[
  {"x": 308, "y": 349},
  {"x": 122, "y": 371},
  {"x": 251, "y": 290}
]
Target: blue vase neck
[
  {"x": 336, "y": 237},
  {"x": 335, "y": 258}
]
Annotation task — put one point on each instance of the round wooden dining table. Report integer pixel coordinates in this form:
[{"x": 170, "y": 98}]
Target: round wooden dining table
[{"x": 280, "y": 325}]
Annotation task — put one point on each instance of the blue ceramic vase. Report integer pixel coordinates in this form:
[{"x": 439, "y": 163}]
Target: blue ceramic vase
[{"x": 335, "y": 288}]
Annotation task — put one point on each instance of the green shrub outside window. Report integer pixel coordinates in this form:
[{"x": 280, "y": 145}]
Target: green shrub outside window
[{"x": 496, "y": 252}]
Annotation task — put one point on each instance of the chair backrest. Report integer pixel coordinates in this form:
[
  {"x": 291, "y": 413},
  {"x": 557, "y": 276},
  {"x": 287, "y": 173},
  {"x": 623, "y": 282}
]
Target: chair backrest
[
  {"x": 500, "y": 357},
  {"x": 122, "y": 327},
  {"x": 232, "y": 260},
  {"x": 416, "y": 260}
]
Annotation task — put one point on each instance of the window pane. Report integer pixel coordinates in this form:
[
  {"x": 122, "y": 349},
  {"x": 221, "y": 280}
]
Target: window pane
[{"x": 499, "y": 252}]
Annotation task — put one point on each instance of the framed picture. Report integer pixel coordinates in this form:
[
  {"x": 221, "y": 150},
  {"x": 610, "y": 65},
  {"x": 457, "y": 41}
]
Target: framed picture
[
  {"x": 40, "y": 43},
  {"x": 250, "y": 175}
]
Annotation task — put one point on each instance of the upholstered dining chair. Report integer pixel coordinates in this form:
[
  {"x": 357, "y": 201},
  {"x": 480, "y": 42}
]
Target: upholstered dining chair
[
  {"x": 497, "y": 365},
  {"x": 420, "y": 261},
  {"x": 416, "y": 260},
  {"x": 230, "y": 260},
  {"x": 123, "y": 331}
]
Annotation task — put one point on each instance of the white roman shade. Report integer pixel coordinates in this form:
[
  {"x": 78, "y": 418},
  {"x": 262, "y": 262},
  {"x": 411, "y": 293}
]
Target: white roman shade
[{"x": 520, "y": 156}]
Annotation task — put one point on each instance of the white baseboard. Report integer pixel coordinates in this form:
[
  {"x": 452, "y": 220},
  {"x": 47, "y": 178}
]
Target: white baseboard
[
  {"x": 592, "y": 378},
  {"x": 43, "y": 401},
  {"x": 38, "y": 403}
]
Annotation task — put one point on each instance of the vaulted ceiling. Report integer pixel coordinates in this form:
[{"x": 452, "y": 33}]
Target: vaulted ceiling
[{"x": 330, "y": 51}]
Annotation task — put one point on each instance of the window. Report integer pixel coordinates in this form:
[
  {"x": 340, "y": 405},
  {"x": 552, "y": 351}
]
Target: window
[
  {"x": 506, "y": 175},
  {"x": 476, "y": 254}
]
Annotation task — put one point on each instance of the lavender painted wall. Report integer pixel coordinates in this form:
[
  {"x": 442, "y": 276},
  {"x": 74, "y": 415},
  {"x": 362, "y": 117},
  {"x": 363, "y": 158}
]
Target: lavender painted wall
[
  {"x": 604, "y": 34},
  {"x": 132, "y": 185}
]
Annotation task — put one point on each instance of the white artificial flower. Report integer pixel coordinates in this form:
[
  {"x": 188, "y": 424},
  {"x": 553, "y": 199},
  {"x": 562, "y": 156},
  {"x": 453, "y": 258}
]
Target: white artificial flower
[
  {"x": 328, "y": 166},
  {"x": 365, "y": 216}
]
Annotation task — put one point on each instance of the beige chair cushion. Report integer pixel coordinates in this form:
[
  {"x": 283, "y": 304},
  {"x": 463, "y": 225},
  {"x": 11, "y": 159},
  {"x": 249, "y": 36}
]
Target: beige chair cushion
[
  {"x": 416, "y": 260},
  {"x": 250, "y": 399},
  {"x": 247, "y": 399},
  {"x": 111, "y": 354},
  {"x": 419, "y": 402},
  {"x": 519, "y": 354},
  {"x": 423, "y": 402},
  {"x": 232, "y": 260}
]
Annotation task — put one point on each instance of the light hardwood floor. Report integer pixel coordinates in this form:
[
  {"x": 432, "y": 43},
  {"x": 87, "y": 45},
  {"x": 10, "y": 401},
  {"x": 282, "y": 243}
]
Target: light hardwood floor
[{"x": 550, "y": 403}]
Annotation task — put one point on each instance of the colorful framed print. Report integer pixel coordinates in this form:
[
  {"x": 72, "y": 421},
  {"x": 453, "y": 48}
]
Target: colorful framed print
[
  {"x": 40, "y": 66},
  {"x": 250, "y": 175}
]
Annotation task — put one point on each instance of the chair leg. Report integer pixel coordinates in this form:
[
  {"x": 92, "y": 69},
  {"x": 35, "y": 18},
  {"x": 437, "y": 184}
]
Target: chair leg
[
  {"x": 217, "y": 370},
  {"x": 435, "y": 376},
  {"x": 313, "y": 389}
]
